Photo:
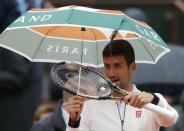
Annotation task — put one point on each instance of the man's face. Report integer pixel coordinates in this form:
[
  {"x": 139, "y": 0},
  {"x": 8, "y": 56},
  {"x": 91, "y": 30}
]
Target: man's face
[{"x": 117, "y": 70}]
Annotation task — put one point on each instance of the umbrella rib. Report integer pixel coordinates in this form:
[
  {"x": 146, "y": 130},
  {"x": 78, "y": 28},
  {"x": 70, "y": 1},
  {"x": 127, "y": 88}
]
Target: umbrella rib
[
  {"x": 114, "y": 33},
  {"x": 96, "y": 45},
  {"x": 83, "y": 29},
  {"x": 68, "y": 21},
  {"x": 3, "y": 33},
  {"x": 34, "y": 55},
  {"x": 143, "y": 44},
  {"x": 147, "y": 50},
  {"x": 71, "y": 12}
]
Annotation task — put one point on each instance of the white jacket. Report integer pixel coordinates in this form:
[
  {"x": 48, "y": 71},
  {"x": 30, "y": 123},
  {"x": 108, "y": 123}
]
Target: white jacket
[{"x": 103, "y": 115}]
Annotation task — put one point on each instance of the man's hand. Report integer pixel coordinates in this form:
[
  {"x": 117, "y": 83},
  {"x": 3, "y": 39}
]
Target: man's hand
[
  {"x": 74, "y": 107},
  {"x": 138, "y": 99}
]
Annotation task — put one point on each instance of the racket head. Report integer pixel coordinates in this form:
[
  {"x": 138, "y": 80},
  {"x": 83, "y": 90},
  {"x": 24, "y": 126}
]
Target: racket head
[{"x": 81, "y": 80}]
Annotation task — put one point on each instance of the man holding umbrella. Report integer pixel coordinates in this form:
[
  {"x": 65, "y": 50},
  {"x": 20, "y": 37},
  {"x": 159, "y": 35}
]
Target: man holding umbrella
[{"x": 119, "y": 63}]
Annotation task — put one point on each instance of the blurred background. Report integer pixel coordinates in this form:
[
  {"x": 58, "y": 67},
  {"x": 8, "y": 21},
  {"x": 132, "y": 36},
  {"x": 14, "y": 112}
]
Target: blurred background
[{"x": 35, "y": 97}]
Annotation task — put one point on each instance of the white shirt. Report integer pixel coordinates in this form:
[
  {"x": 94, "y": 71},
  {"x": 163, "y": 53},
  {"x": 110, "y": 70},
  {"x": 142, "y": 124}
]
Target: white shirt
[
  {"x": 65, "y": 115},
  {"x": 103, "y": 115}
]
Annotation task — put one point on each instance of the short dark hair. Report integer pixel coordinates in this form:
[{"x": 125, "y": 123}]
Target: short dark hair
[{"x": 119, "y": 48}]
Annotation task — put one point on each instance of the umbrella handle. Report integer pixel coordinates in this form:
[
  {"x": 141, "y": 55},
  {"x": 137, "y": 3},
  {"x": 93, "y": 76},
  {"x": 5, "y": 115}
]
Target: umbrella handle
[{"x": 160, "y": 110}]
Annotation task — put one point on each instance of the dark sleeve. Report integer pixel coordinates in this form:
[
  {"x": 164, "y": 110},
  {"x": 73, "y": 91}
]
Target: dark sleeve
[
  {"x": 37, "y": 127},
  {"x": 43, "y": 125},
  {"x": 14, "y": 70},
  {"x": 8, "y": 13}
]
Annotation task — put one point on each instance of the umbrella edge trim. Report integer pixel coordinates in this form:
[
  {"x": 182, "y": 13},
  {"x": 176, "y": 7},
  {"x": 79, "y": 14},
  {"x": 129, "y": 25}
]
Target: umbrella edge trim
[{"x": 16, "y": 51}]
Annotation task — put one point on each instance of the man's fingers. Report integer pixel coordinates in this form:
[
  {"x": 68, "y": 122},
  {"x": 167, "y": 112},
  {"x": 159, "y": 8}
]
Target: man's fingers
[
  {"x": 77, "y": 98},
  {"x": 127, "y": 98},
  {"x": 74, "y": 106},
  {"x": 73, "y": 102},
  {"x": 137, "y": 102},
  {"x": 138, "y": 99},
  {"x": 74, "y": 110},
  {"x": 133, "y": 98}
]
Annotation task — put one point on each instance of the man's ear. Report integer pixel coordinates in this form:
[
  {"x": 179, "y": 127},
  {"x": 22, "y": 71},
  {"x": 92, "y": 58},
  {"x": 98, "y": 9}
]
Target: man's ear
[{"x": 133, "y": 67}]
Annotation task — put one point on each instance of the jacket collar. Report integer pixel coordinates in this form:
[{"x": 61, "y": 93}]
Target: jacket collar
[
  {"x": 57, "y": 120},
  {"x": 134, "y": 89}
]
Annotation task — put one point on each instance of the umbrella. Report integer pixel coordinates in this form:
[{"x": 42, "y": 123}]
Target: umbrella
[{"x": 79, "y": 34}]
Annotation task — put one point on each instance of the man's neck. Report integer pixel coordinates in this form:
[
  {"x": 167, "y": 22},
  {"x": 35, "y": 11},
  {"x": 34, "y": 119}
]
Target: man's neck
[{"x": 129, "y": 87}]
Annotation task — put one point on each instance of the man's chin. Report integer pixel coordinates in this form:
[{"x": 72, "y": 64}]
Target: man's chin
[{"x": 122, "y": 85}]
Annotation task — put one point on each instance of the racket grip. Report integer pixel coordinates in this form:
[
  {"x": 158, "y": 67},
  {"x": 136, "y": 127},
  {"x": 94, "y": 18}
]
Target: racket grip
[{"x": 169, "y": 114}]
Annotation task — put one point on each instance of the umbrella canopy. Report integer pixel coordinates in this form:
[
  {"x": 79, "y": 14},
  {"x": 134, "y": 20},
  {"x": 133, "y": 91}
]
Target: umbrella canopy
[
  {"x": 79, "y": 34},
  {"x": 167, "y": 71}
]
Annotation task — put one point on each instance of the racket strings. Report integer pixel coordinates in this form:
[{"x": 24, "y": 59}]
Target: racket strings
[{"x": 69, "y": 76}]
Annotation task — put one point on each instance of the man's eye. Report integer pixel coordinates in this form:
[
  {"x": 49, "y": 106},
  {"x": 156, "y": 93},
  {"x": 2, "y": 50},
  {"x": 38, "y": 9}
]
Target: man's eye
[
  {"x": 117, "y": 65},
  {"x": 106, "y": 66}
]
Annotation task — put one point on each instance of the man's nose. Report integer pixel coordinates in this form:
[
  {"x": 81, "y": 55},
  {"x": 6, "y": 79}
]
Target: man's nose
[{"x": 111, "y": 73}]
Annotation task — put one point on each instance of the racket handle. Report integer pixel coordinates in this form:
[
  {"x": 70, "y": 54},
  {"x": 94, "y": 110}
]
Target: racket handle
[{"x": 160, "y": 110}]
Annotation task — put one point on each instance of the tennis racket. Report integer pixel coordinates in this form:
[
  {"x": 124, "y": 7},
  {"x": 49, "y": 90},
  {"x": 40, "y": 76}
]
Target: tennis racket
[{"x": 88, "y": 82}]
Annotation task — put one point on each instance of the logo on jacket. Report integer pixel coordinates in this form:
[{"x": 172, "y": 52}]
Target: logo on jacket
[{"x": 138, "y": 114}]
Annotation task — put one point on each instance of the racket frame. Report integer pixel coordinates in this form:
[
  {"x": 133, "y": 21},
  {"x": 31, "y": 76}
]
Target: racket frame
[{"x": 112, "y": 86}]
